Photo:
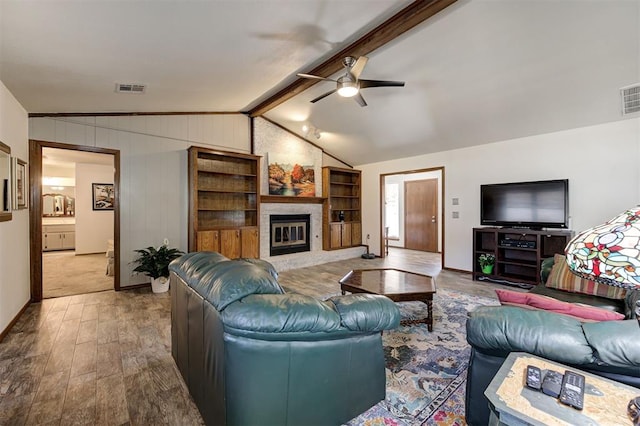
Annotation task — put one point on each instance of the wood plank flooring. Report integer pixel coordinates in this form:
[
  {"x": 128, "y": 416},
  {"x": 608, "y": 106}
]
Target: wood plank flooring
[{"x": 105, "y": 358}]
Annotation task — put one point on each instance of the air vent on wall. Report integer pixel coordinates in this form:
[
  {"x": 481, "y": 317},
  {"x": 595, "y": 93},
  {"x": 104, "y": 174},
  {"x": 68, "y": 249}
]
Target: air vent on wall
[
  {"x": 130, "y": 88},
  {"x": 630, "y": 99}
]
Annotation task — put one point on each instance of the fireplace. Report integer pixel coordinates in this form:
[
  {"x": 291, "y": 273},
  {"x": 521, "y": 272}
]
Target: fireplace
[{"x": 289, "y": 233}]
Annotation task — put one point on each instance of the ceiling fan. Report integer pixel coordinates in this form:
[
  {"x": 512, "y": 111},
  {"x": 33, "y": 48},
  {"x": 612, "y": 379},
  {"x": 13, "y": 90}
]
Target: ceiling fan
[{"x": 350, "y": 83}]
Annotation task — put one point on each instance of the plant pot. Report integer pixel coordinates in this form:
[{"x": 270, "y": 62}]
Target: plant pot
[
  {"x": 487, "y": 269},
  {"x": 160, "y": 285}
]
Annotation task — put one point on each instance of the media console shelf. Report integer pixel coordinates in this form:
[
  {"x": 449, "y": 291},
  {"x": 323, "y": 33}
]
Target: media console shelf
[{"x": 518, "y": 252}]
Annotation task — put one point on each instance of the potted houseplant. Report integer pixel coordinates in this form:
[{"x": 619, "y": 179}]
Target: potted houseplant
[
  {"x": 486, "y": 261},
  {"x": 154, "y": 263}
]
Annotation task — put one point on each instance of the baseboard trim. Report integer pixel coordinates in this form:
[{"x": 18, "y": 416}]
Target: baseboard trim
[
  {"x": 14, "y": 321},
  {"x": 133, "y": 287},
  {"x": 462, "y": 271}
]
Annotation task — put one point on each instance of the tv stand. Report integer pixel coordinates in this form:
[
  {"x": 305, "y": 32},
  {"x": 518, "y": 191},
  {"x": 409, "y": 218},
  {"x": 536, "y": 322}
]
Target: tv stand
[{"x": 518, "y": 253}]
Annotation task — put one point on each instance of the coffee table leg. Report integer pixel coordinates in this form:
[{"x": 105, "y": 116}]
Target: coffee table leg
[{"x": 429, "y": 315}]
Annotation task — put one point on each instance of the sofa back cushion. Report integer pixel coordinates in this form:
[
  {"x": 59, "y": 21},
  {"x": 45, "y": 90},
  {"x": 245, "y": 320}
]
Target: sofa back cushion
[
  {"x": 232, "y": 280},
  {"x": 536, "y": 301},
  {"x": 281, "y": 313},
  {"x": 562, "y": 278},
  {"x": 499, "y": 330}
]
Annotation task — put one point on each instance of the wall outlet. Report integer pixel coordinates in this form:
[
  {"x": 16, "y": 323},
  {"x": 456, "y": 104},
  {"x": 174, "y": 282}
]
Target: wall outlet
[
  {"x": 368, "y": 236},
  {"x": 455, "y": 201},
  {"x": 455, "y": 215},
  {"x": 166, "y": 241}
]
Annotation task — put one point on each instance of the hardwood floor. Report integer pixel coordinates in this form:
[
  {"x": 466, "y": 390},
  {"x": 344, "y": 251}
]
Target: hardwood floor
[{"x": 105, "y": 358}]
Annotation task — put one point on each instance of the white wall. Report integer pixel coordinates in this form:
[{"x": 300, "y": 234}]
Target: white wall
[
  {"x": 601, "y": 163},
  {"x": 153, "y": 168},
  {"x": 93, "y": 227},
  {"x": 14, "y": 234}
]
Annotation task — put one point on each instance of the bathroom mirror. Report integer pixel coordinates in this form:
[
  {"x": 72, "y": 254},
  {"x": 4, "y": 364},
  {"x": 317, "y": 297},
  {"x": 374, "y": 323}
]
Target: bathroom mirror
[
  {"x": 58, "y": 205},
  {"x": 5, "y": 183}
]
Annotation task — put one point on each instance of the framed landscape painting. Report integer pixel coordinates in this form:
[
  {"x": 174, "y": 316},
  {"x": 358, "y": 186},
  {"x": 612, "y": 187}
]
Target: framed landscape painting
[
  {"x": 291, "y": 176},
  {"x": 103, "y": 196}
]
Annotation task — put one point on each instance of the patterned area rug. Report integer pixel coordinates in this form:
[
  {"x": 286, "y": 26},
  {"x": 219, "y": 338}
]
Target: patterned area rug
[{"x": 426, "y": 371}]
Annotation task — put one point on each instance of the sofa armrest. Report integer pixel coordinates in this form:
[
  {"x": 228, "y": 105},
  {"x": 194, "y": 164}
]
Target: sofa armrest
[{"x": 366, "y": 312}]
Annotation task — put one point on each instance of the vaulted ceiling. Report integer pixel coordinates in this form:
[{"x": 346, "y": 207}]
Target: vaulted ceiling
[{"x": 477, "y": 72}]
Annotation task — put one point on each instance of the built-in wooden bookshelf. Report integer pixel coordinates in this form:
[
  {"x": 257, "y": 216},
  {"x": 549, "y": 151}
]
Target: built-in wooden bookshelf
[
  {"x": 224, "y": 204},
  {"x": 342, "y": 226}
]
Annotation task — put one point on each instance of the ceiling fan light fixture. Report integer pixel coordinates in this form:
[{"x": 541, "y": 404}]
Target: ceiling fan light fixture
[
  {"x": 348, "y": 91},
  {"x": 347, "y": 88}
]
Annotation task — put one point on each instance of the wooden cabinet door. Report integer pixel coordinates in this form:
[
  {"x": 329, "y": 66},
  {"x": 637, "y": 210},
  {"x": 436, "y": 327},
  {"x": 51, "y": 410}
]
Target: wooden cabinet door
[
  {"x": 250, "y": 242},
  {"x": 335, "y": 230},
  {"x": 68, "y": 240},
  {"x": 356, "y": 233},
  {"x": 346, "y": 235},
  {"x": 230, "y": 243},
  {"x": 208, "y": 241},
  {"x": 52, "y": 241}
]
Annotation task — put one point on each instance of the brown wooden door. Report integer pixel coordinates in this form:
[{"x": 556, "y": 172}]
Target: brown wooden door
[
  {"x": 250, "y": 242},
  {"x": 421, "y": 215},
  {"x": 230, "y": 243}
]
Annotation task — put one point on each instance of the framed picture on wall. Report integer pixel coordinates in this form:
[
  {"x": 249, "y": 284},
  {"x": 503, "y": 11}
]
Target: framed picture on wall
[
  {"x": 103, "y": 196},
  {"x": 20, "y": 183}
]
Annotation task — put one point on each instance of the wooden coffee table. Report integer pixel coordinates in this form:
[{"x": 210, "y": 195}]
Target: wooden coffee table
[{"x": 397, "y": 285}]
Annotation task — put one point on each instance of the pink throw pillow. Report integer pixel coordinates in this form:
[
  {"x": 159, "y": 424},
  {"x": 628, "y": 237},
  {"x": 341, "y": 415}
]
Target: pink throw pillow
[{"x": 537, "y": 301}]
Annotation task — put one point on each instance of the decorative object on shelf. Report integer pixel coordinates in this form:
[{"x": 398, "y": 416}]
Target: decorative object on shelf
[
  {"x": 20, "y": 183},
  {"x": 154, "y": 263},
  {"x": 290, "y": 176},
  {"x": 610, "y": 254},
  {"x": 103, "y": 196},
  {"x": 486, "y": 261},
  {"x": 341, "y": 216}
]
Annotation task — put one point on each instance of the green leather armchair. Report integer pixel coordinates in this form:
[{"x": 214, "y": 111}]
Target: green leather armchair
[{"x": 252, "y": 355}]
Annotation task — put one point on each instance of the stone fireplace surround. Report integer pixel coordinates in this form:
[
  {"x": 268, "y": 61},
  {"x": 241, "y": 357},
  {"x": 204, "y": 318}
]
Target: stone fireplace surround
[{"x": 299, "y": 260}]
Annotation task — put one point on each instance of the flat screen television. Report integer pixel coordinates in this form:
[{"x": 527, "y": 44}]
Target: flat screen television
[{"x": 541, "y": 204}]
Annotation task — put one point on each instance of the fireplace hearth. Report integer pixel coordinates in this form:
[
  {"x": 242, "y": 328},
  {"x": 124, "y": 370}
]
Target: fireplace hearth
[{"x": 289, "y": 233}]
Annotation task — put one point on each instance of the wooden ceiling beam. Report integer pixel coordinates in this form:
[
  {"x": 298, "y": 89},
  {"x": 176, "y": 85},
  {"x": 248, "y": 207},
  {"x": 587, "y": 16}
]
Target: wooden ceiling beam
[{"x": 412, "y": 15}]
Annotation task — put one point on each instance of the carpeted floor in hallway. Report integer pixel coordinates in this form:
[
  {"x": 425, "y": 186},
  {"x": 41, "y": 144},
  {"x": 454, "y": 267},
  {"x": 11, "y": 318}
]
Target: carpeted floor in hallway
[{"x": 66, "y": 274}]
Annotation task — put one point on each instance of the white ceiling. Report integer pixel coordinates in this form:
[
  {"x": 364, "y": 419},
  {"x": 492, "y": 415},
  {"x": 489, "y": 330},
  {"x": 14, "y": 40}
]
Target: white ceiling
[{"x": 478, "y": 72}]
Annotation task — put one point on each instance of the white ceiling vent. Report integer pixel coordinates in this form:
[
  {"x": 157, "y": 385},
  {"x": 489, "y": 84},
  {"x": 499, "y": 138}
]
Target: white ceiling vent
[
  {"x": 130, "y": 88},
  {"x": 630, "y": 99}
]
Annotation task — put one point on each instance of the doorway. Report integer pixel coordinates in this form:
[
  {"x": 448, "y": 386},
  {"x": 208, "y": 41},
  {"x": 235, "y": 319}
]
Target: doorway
[
  {"x": 421, "y": 215},
  {"x": 412, "y": 213},
  {"x": 66, "y": 223}
]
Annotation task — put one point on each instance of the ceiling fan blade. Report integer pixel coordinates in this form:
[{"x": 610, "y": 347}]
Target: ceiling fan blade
[
  {"x": 313, "y": 101},
  {"x": 380, "y": 83},
  {"x": 314, "y": 77},
  {"x": 360, "y": 100},
  {"x": 358, "y": 67}
]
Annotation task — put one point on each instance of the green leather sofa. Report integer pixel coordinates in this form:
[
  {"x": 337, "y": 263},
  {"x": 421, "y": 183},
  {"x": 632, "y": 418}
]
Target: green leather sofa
[
  {"x": 608, "y": 348},
  {"x": 252, "y": 355}
]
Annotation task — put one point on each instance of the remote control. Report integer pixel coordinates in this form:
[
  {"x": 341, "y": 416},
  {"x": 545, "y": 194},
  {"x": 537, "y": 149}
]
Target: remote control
[
  {"x": 572, "y": 392},
  {"x": 552, "y": 383},
  {"x": 534, "y": 377}
]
